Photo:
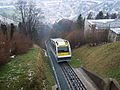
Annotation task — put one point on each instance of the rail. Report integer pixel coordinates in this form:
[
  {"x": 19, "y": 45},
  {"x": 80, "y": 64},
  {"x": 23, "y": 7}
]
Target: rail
[{"x": 73, "y": 80}]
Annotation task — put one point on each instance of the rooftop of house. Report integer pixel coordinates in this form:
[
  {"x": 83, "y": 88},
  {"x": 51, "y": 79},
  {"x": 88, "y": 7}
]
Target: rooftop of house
[
  {"x": 116, "y": 30},
  {"x": 100, "y": 21},
  {"x": 105, "y": 23}
]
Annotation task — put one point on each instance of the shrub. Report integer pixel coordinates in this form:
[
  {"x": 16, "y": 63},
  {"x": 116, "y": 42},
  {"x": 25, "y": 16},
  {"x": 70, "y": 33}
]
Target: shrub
[
  {"x": 18, "y": 45},
  {"x": 76, "y": 37},
  {"x": 4, "y": 49}
]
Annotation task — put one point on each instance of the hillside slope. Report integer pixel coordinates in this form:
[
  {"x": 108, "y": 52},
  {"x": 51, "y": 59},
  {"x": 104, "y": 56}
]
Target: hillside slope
[
  {"x": 29, "y": 71},
  {"x": 104, "y": 60}
]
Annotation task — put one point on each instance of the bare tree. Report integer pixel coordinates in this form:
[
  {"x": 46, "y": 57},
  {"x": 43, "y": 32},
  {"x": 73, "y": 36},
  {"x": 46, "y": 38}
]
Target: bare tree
[
  {"x": 12, "y": 29},
  {"x": 30, "y": 16},
  {"x": 21, "y": 6},
  {"x": 33, "y": 17}
]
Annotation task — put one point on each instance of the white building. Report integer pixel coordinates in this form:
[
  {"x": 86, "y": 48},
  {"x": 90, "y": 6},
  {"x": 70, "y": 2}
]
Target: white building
[
  {"x": 100, "y": 26},
  {"x": 114, "y": 34}
]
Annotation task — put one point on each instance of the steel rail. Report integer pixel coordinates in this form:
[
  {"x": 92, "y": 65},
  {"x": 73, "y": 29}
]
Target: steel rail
[{"x": 73, "y": 80}]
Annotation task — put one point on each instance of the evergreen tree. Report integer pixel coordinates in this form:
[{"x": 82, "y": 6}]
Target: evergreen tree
[
  {"x": 107, "y": 16},
  {"x": 100, "y": 15},
  {"x": 113, "y": 16},
  {"x": 89, "y": 15},
  {"x": 80, "y": 22}
]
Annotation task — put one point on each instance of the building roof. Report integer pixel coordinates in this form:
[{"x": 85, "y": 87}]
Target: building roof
[
  {"x": 100, "y": 21},
  {"x": 105, "y": 23},
  {"x": 116, "y": 30}
]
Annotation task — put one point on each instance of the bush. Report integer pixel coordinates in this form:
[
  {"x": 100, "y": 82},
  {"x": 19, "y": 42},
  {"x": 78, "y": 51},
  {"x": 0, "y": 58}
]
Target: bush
[
  {"x": 76, "y": 37},
  {"x": 4, "y": 49},
  {"x": 18, "y": 45}
]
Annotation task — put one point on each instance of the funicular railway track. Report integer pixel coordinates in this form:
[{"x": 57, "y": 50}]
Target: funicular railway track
[
  {"x": 66, "y": 78},
  {"x": 73, "y": 80}
]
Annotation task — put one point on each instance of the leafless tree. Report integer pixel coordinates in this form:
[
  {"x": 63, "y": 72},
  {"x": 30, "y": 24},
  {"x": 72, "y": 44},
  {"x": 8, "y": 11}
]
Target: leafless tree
[
  {"x": 12, "y": 29},
  {"x": 21, "y": 6},
  {"x": 30, "y": 16},
  {"x": 4, "y": 29}
]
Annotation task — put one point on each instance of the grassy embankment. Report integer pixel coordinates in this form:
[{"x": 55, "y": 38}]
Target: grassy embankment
[
  {"x": 30, "y": 71},
  {"x": 104, "y": 60}
]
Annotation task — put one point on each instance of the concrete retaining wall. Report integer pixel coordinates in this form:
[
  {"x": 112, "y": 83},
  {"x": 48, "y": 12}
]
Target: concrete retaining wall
[
  {"x": 102, "y": 84},
  {"x": 113, "y": 85}
]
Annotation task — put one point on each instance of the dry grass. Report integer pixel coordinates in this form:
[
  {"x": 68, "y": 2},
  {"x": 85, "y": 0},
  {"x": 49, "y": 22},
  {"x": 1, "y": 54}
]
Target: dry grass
[
  {"x": 4, "y": 49},
  {"x": 75, "y": 37},
  {"x": 20, "y": 44},
  {"x": 104, "y": 60}
]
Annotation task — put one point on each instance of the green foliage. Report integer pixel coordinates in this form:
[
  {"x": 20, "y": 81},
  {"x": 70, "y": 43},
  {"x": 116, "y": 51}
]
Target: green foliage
[
  {"x": 114, "y": 72},
  {"x": 90, "y": 16},
  {"x": 75, "y": 62},
  {"x": 113, "y": 16},
  {"x": 107, "y": 16},
  {"x": 50, "y": 81},
  {"x": 100, "y": 15}
]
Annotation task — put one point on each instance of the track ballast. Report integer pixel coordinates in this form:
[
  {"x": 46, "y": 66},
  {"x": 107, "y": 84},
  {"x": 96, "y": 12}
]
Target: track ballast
[{"x": 73, "y": 80}]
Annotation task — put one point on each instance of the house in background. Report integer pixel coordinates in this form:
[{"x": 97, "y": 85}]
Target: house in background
[
  {"x": 114, "y": 34},
  {"x": 98, "y": 30}
]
